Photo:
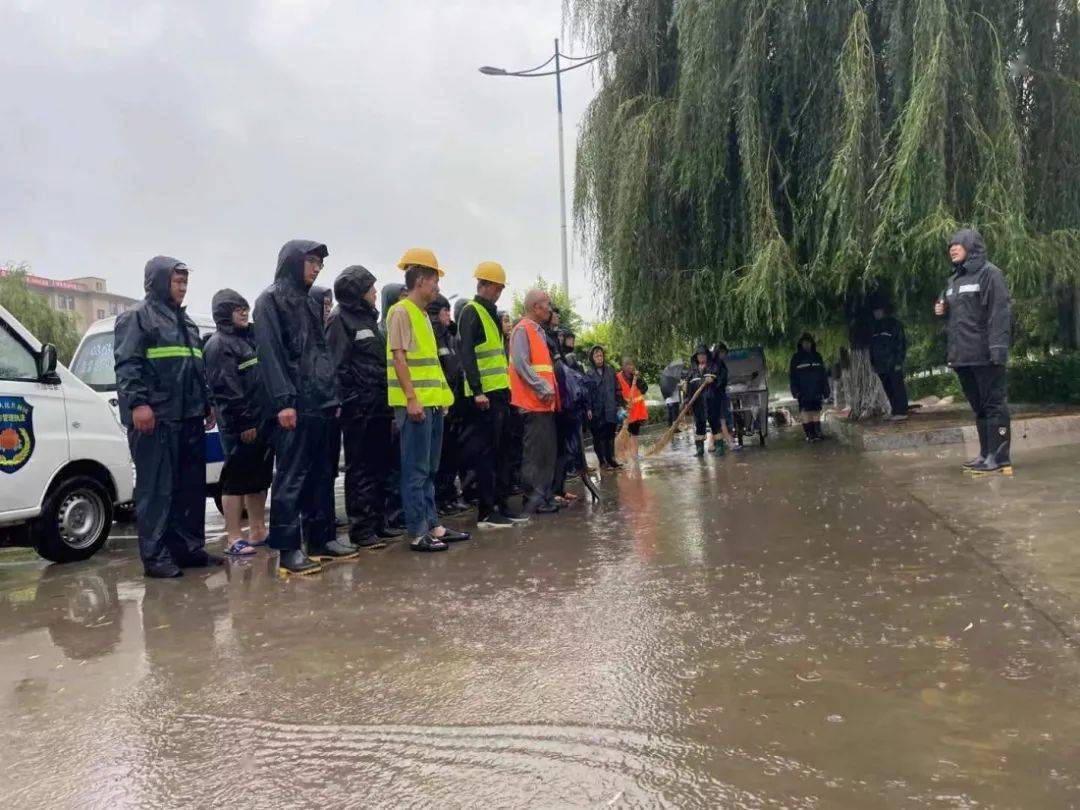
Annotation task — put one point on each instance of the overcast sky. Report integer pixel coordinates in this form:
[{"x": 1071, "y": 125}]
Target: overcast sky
[{"x": 215, "y": 131}]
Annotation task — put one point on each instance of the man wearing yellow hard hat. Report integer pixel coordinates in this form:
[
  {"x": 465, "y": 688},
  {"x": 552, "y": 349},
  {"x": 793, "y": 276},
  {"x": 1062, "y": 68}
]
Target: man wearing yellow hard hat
[
  {"x": 418, "y": 392},
  {"x": 485, "y": 440}
]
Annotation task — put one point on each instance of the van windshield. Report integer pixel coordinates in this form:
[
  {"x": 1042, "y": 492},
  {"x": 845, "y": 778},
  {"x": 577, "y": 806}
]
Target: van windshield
[{"x": 93, "y": 362}]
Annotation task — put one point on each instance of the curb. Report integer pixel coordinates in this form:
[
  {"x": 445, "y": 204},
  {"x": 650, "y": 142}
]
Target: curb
[{"x": 1041, "y": 431}]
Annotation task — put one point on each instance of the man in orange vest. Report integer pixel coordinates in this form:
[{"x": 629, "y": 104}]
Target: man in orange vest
[{"x": 534, "y": 392}]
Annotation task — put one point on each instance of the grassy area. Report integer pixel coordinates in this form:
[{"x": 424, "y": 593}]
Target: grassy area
[{"x": 1047, "y": 378}]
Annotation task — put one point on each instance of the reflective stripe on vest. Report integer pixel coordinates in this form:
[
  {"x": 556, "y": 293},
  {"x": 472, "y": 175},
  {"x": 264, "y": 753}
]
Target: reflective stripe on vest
[
  {"x": 490, "y": 355},
  {"x": 522, "y": 394},
  {"x": 248, "y": 363},
  {"x": 162, "y": 352},
  {"x": 424, "y": 367}
]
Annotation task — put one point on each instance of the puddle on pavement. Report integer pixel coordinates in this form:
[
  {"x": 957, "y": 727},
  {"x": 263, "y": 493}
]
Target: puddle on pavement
[{"x": 781, "y": 627}]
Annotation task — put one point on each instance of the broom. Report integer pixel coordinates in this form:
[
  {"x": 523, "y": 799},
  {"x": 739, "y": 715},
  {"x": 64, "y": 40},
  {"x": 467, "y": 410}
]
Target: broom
[
  {"x": 622, "y": 440},
  {"x": 669, "y": 434}
]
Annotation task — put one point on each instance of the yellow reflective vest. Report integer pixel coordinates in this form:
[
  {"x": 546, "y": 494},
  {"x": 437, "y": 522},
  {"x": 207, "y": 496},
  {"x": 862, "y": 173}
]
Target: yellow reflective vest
[
  {"x": 490, "y": 355},
  {"x": 424, "y": 368}
]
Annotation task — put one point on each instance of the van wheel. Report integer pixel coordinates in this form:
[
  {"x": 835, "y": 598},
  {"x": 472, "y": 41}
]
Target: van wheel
[{"x": 75, "y": 520}]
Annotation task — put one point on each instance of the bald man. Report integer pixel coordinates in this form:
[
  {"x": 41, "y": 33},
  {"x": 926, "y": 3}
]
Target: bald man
[{"x": 533, "y": 390}]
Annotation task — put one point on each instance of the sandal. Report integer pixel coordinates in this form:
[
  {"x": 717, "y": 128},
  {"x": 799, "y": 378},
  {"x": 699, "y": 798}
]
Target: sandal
[{"x": 241, "y": 548}]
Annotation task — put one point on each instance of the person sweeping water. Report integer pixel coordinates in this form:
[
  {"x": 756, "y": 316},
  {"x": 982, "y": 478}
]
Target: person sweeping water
[{"x": 632, "y": 388}]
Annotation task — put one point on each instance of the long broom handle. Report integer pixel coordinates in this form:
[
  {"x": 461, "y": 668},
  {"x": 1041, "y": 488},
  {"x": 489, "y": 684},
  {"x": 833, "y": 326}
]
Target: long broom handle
[{"x": 693, "y": 399}]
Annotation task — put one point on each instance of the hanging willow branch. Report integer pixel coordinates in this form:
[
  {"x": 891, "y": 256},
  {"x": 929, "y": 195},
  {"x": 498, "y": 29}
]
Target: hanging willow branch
[{"x": 748, "y": 167}]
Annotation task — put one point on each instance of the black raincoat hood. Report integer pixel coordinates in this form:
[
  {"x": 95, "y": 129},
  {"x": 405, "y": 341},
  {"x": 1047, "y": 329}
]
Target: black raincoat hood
[
  {"x": 290, "y": 262},
  {"x": 806, "y": 336},
  {"x": 320, "y": 294},
  {"x": 391, "y": 294},
  {"x": 458, "y": 306},
  {"x": 592, "y": 351},
  {"x": 701, "y": 349},
  {"x": 971, "y": 240},
  {"x": 157, "y": 276},
  {"x": 351, "y": 287},
  {"x": 436, "y": 306},
  {"x": 222, "y": 306}
]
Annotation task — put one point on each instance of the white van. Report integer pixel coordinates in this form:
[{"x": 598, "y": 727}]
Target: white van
[
  {"x": 64, "y": 459},
  {"x": 93, "y": 363}
]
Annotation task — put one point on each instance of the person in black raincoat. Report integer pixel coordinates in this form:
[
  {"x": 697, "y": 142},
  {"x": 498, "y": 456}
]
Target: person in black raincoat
[
  {"x": 236, "y": 389},
  {"x": 705, "y": 370},
  {"x": 447, "y": 496},
  {"x": 324, "y": 297},
  {"x": 302, "y": 388},
  {"x": 165, "y": 406},
  {"x": 575, "y": 401},
  {"x": 888, "y": 350},
  {"x": 358, "y": 349},
  {"x": 976, "y": 304},
  {"x": 809, "y": 380},
  {"x": 606, "y": 402}
]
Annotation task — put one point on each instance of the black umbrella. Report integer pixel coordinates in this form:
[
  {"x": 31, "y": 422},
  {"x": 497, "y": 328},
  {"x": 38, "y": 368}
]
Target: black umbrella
[{"x": 670, "y": 378}]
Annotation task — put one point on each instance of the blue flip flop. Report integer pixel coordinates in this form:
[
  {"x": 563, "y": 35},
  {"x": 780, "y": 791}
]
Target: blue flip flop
[{"x": 237, "y": 549}]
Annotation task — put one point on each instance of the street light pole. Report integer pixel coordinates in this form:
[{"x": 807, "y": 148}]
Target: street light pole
[
  {"x": 557, "y": 58},
  {"x": 562, "y": 175}
]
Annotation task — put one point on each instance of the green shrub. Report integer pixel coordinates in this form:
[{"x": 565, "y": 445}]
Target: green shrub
[{"x": 1049, "y": 378}]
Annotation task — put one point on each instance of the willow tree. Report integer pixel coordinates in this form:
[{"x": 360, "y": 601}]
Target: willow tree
[{"x": 750, "y": 167}]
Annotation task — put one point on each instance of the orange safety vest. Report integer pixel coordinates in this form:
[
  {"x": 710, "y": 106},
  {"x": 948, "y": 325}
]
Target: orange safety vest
[
  {"x": 522, "y": 394},
  {"x": 635, "y": 401}
]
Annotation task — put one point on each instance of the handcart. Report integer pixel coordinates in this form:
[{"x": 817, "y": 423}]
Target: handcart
[{"x": 748, "y": 392}]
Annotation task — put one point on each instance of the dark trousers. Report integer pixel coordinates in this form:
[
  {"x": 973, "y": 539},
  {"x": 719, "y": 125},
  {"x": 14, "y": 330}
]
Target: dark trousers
[
  {"x": 170, "y": 491},
  {"x": 603, "y": 435},
  {"x": 367, "y": 468},
  {"x": 895, "y": 390},
  {"x": 673, "y": 409},
  {"x": 487, "y": 451},
  {"x": 301, "y": 479},
  {"x": 538, "y": 457},
  {"x": 984, "y": 387},
  {"x": 708, "y": 413},
  {"x": 446, "y": 490},
  {"x": 568, "y": 460}
]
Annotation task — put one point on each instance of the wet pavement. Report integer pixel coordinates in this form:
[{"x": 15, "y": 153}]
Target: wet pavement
[{"x": 789, "y": 627}]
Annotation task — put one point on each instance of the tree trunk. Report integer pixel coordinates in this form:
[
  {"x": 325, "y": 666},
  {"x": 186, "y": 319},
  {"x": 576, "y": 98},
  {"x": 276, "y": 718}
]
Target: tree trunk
[{"x": 861, "y": 389}]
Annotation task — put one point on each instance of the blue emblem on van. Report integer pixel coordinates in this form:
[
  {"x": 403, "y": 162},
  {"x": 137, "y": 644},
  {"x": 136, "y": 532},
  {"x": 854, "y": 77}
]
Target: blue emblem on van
[{"x": 16, "y": 433}]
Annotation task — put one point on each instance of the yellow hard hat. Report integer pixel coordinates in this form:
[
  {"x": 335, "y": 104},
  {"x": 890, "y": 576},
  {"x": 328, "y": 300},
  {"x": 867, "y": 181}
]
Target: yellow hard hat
[
  {"x": 490, "y": 271},
  {"x": 422, "y": 257}
]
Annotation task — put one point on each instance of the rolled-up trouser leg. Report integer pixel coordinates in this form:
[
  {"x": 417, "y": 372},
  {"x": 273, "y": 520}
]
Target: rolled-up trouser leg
[
  {"x": 153, "y": 455},
  {"x": 187, "y": 522},
  {"x": 538, "y": 460}
]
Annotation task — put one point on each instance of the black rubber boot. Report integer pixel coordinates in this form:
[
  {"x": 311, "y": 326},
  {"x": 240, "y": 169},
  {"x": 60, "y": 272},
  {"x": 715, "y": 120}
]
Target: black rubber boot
[
  {"x": 389, "y": 532},
  {"x": 298, "y": 563},
  {"x": 699, "y": 449},
  {"x": 999, "y": 439},
  {"x": 980, "y": 426},
  {"x": 334, "y": 550},
  {"x": 163, "y": 571},
  {"x": 808, "y": 429},
  {"x": 202, "y": 559}
]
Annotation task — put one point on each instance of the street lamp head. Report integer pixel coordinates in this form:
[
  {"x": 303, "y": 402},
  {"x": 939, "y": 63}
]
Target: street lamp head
[{"x": 488, "y": 70}]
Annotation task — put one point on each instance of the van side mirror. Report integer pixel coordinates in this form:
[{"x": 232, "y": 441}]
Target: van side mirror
[{"x": 47, "y": 365}]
